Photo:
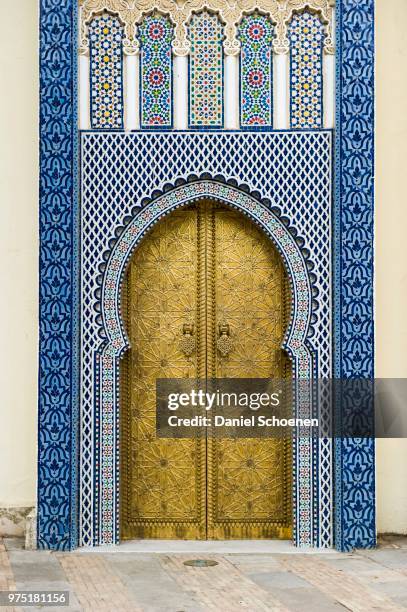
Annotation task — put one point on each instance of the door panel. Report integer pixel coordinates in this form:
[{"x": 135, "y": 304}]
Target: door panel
[
  {"x": 163, "y": 483},
  {"x": 204, "y": 265},
  {"x": 249, "y": 488}
]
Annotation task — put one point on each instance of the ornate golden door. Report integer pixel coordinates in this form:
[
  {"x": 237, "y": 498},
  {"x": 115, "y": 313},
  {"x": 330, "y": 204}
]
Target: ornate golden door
[{"x": 210, "y": 267}]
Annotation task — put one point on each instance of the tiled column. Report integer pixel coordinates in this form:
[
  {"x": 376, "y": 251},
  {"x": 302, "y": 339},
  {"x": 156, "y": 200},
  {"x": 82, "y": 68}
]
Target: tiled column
[
  {"x": 84, "y": 92},
  {"x": 231, "y": 92},
  {"x": 180, "y": 92},
  {"x": 355, "y": 509},
  {"x": 281, "y": 64},
  {"x": 131, "y": 92}
]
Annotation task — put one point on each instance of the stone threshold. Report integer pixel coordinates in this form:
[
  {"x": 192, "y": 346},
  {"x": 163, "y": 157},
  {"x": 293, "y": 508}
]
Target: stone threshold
[{"x": 221, "y": 547}]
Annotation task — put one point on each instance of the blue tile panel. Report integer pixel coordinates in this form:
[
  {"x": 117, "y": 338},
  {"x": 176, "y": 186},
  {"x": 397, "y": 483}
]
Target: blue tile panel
[
  {"x": 354, "y": 209},
  {"x": 58, "y": 131}
]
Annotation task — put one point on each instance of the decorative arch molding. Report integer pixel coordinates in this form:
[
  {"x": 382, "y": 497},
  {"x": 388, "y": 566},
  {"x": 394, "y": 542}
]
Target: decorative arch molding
[
  {"x": 285, "y": 237},
  {"x": 114, "y": 341},
  {"x": 132, "y": 12}
]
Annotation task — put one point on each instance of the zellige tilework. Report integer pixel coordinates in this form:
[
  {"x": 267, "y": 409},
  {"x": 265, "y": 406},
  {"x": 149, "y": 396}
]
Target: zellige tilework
[
  {"x": 156, "y": 33},
  {"x": 106, "y": 72},
  {"x": 206, "y": 71},
  {"x": 306, "y": 38},
  {"x": 256, "y": 81}
]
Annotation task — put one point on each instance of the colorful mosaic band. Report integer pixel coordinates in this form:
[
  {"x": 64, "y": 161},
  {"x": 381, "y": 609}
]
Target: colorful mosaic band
[
  {"x": 206, "y": 71},
  {"x": 106, "y": 71},
  {"x": 156, "y": 33},
  {"x": 306, "y": 38},
  {"x": 256, "y": 72}
]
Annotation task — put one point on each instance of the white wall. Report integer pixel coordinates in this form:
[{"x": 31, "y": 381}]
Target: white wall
[
  {"x": 391, "y": 246},
  {"x": 19, "y": 248},
  {"x": 18, "y": 253}
]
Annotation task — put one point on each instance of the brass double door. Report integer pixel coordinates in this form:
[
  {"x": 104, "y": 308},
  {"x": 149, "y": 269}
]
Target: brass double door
[{"x": 204, "y": 271}]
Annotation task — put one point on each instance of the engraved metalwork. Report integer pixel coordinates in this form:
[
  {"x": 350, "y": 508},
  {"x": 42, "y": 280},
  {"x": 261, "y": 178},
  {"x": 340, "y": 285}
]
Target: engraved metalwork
[
  {"x": 163, "y": 492},
  {"x": 199, "y": 263},
  {"x": 249, "y": 480}
]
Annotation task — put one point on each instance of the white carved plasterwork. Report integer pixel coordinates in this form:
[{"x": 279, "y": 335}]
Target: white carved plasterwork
[{"x": 131, "y": 13}]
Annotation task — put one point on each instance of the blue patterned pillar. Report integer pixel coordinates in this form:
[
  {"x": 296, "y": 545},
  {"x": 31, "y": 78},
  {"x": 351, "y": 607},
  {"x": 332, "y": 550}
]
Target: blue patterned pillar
[
  {"x": 354, "y": 338},
  {"x": 57, "y": 487}
]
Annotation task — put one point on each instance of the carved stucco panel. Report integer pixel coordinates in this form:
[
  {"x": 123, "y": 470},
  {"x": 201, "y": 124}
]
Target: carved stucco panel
[{"x": 131, "y": 13}]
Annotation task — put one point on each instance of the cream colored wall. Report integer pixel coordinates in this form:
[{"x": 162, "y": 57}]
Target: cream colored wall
[
  {"x": 18, "y": 253},
  {"x": 19, "y": 247},
  {"x": 391, "y": 246}
]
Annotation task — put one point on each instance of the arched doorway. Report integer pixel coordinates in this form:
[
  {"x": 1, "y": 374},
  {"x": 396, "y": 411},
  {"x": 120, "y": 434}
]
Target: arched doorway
[
  {"x": 203, "y": 271},
  {"x": 115, "y": 344}
]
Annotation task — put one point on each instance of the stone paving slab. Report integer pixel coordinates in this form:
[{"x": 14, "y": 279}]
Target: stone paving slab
[
  {"x": 344, "y": 588},
  {"x": 7, "y": 581},
  {"x": 96, "y": 585},
  {"x": 391, "y": 558},
  {"x": 221, "y": 588},
  {"x": 307, "y": 600},
  {"x": 362, "y": 581},
  {"x": 395, "y": 590},
  {"x": 151, "y": 585},
  {"x": 254, "y": 564},
  {"x": 277, "y": 580}
]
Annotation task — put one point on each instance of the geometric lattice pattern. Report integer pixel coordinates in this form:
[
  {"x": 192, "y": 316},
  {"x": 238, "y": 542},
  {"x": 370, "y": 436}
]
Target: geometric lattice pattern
[
  {"x": 306, "y": 34},
  {"x": 256, "y": 82},
  {"x": 156, "y": 34},
  {"x": 106, "y": 72},
  {"x": 206, "y": 71},
  {"x": 119, "y": 170}
]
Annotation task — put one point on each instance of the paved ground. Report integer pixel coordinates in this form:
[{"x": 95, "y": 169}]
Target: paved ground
[{"x": 363, "y": 581}]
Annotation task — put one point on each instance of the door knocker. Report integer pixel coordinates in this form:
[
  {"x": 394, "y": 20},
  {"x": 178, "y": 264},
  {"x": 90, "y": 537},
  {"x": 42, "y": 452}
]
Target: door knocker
[
  {"x": 188, "y": 341},
  {"x": 224, "y": 343}
]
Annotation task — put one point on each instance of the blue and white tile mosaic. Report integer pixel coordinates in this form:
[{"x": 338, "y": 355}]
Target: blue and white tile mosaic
[
  {"x": 355, "y": 520},
  {"x": 118, "y": 172},
  {"x": 58, "y": 422}
]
